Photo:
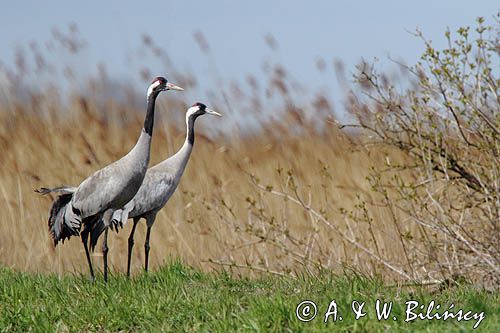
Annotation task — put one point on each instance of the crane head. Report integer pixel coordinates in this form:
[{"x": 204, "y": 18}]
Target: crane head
[
  {"x": 160, "y": 84},
  {"x": 198, "y": 109}
]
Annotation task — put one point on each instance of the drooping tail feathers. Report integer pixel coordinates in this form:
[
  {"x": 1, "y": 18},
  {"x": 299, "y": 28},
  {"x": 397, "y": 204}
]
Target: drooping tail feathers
[{"x": 64, "y": 220}]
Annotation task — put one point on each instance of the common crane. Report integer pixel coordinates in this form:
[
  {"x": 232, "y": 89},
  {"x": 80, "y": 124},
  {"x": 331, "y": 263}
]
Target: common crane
[
  {"x": 158, "y": 186},
  {"x": 107, "y": 190}
]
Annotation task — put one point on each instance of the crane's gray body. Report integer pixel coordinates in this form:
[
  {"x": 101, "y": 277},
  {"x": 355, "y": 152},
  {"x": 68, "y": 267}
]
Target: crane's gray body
[
  {"x": 108, "y": 189},
  {"x": 116, "y": 184}
]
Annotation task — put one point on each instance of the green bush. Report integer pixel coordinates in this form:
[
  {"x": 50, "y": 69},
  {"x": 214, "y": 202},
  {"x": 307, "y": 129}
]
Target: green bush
[{"x": 445, "y": 198}]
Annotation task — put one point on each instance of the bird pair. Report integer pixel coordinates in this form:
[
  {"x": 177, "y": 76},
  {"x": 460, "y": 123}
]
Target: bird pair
[{"x": 124, "y": 189}]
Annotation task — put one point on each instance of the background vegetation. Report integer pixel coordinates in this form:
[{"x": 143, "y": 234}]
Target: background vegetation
[
  {"x": 406, "y": 189},
  {"x": 411, "y": 193}
]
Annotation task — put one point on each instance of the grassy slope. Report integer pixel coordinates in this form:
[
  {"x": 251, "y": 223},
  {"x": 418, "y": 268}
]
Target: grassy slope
[{"x": 179, "y": 298}]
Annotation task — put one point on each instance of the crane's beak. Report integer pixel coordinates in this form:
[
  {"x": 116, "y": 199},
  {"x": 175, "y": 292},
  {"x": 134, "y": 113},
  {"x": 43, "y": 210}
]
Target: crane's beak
[
  {"x": 171, "y": 86},
  {"x": 212, "y": 112}
]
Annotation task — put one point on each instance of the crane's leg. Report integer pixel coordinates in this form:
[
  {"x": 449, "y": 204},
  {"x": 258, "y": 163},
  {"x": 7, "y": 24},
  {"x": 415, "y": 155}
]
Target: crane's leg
[
  {"x": 85, "y": 236},
  {"x": 150, "y": 219},
  {"x": 106, "y": 218},
  {"x": 105, "y": 254},
  {"x": 131, "y": 244},
  {"x": 146, "y": 248}
]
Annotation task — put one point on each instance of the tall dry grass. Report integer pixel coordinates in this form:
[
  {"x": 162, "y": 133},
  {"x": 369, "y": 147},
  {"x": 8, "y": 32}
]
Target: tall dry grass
[{"x": 53, "y": 149}]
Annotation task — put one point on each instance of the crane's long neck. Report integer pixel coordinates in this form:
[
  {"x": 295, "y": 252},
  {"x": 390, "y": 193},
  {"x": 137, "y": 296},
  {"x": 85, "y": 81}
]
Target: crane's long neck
[
  {"x": 190, "y": 119},
  {"x": 181, "y": 158},
  {"x": 141, "y": 151},
  {"x": 187, "y": 147},
  {"x": 150, "y": 114}
]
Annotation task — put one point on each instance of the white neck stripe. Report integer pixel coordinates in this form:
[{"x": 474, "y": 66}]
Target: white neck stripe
[{"x": 152, "y": 87}]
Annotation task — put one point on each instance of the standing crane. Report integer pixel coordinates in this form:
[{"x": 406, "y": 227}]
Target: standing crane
[
  {"x": 158, "y": 186},
  {"x": 107, "y": 190}
]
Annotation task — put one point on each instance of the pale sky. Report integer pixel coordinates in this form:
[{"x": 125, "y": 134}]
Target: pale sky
[{"x": 235, "y": 30}]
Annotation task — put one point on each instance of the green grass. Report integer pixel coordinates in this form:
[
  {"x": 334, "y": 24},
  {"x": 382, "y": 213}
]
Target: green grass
[{"x": 181, "y": 299}]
